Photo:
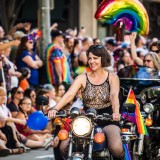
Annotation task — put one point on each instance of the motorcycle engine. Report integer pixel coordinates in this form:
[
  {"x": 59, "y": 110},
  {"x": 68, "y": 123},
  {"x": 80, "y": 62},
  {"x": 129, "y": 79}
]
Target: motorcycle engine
[{"x": 105, "y": 153}]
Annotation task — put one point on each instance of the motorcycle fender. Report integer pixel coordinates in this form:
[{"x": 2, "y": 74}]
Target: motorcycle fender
[{"x": 96, "y": 146}]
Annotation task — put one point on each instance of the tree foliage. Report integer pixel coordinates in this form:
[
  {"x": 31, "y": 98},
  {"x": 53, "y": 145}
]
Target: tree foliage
[{"x": 9, "y": 11}]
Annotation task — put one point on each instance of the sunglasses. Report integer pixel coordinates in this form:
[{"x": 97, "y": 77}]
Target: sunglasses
[
  {"x": 20, "y": 92},
  {"x": 147, "y": 60}
]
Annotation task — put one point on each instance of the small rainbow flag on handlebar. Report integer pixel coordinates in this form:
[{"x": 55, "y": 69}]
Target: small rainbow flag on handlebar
[{"x": 139, "y": 120}]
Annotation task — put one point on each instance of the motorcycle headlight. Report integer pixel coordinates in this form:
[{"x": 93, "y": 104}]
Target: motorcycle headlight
[
  {"x": 148, "y": 108},
  {"x": 81, "y": 126}
]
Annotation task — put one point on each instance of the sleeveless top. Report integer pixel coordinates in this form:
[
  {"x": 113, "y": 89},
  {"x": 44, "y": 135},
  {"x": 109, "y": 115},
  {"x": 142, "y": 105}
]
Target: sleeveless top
[{"x": 96, "y": 96}]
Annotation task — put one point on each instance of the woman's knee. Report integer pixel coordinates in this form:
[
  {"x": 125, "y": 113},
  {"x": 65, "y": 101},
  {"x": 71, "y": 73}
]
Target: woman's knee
[{"x": 117, "y": 150}]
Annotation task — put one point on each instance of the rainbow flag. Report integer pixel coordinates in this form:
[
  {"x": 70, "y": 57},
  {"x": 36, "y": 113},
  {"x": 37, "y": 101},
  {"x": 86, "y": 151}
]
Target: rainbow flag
[{"x": 139, "y": 120}]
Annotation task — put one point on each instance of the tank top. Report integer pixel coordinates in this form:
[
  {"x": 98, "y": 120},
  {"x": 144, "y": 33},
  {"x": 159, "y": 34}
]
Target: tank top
[{"x": 96, "y": 96}]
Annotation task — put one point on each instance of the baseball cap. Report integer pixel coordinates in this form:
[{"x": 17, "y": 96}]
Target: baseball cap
[
  {"x": 56, "y": 33},
  {"x": 18, "y": 34},
  {"x": 111, "y": 42}
]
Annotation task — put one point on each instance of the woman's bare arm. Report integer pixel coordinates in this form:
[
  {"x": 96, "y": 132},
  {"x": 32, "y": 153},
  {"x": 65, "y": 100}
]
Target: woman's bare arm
[
  {"x": 16, "y": 120},
  {"x": 133, "y": 49},
  {"x": 9, "y": 44},
  {"x": 114, "y": 92},
  {"x": 31, "y": 63},
  {"x": 70, "y": 94},
  {"x": 39, "y": 60}
]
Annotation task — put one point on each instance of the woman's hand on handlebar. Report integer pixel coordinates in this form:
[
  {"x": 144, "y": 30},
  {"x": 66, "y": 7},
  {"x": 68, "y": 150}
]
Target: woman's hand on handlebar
[
  {"x": 52, "y": 113},
  {"x": 116, "y": 116}
]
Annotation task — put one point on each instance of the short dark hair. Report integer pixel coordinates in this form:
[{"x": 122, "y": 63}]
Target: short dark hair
[
  {"x": 25, "y": 72},
  {"x": 56, "y": 33},
  {"x": 28, "y": 91},
  {"x": 100, "y": 51},
  {"x": 13, "y": 91}
]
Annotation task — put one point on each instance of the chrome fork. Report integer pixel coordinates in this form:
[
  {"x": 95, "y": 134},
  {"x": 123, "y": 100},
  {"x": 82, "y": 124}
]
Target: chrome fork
[
  {"x": 91, "y": 145},
  {"x": 140, "y": 144}
]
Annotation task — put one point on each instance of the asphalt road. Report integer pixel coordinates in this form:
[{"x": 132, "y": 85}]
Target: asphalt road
[{"x": 34, "y": 154}]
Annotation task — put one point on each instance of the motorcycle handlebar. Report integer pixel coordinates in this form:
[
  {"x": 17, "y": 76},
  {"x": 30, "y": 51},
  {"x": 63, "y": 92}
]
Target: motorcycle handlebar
[
  {"x": 104, "y": 116},
  {"x": 107, "y": 117},
  {"x": 61, "y": 115}
]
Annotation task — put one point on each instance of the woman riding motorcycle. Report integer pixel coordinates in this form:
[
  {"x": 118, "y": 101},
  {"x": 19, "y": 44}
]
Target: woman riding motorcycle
[{"x": 100, "y": 90}]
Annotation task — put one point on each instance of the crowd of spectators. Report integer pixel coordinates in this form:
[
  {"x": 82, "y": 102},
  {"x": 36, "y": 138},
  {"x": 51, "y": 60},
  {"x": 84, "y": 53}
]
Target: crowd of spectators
[{"x": 65, "y": 59}]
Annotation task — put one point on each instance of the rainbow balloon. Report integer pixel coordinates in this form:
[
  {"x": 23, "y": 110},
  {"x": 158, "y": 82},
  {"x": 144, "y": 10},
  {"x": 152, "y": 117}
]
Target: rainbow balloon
[{"x": 131, "y": 12}]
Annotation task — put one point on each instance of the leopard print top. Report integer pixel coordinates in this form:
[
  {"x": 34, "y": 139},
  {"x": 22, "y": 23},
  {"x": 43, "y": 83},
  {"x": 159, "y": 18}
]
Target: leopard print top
[{"x": 96, "y": 96}]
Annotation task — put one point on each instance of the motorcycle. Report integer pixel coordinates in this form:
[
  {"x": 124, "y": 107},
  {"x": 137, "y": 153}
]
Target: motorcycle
[
  {"x": 147, "y": 93},
  {"x": 86, "y": 139}
]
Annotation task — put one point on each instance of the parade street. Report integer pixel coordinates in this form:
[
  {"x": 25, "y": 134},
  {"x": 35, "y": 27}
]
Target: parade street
[{"x": 34, "y": 154}]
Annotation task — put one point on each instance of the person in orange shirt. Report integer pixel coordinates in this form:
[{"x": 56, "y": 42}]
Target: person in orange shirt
[{"x": 23, "y": 82}]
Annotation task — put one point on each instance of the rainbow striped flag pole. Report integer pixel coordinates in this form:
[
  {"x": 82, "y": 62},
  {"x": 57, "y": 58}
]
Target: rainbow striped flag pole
[{"x": 139, "y": 120}]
